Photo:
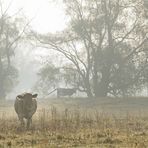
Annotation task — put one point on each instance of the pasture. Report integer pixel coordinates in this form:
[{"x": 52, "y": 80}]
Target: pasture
[{"x": 79, "y": 122}]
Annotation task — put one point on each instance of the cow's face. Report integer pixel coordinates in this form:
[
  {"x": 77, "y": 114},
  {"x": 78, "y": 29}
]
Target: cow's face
[{"x": 27, "y": 97}]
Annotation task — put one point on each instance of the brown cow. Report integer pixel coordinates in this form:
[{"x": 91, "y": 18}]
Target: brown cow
[{"x": 25, "y": 106}]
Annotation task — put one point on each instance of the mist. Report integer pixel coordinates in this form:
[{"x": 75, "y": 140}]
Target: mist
[
  {"x": 54, "y": 48},
  {"x": 74, "y": 73}
]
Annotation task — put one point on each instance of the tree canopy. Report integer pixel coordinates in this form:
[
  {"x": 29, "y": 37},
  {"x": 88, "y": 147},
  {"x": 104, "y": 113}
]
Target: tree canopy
[{"x": 105, "y": 42}]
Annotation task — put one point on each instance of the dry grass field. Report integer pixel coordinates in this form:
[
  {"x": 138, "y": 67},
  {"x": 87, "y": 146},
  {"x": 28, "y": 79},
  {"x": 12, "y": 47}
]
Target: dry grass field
[{"x": 79, "y": 122}]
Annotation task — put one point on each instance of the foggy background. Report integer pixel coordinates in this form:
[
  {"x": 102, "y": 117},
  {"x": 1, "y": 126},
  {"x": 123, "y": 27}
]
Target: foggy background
[
  {"x": 76, "y": 44},
  {"x": 46, "y": 16}
]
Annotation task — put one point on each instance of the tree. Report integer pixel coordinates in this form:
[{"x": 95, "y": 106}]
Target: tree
[
  {"x": 48, "y": 78},
  {"x": 107, "y": 52},
  {"x": 10, "y": 34},
  {"x": 52, "y": 77}
]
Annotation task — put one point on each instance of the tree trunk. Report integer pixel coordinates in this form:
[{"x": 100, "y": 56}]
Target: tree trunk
[
  {"x": 89, "y": 93},
  {"x": 101, "y": 88},
  {"x": 88, "y": 87},
  {"x": 2, "y": 90}
]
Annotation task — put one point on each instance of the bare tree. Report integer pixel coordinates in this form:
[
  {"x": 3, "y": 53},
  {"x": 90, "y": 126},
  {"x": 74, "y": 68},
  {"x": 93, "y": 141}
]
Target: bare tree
[
  {"x": 11, "y": 31},
  {"x": 105, "y": 43}
]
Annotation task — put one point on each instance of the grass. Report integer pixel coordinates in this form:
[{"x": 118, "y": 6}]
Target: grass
[{"x": 63, "y": 125}]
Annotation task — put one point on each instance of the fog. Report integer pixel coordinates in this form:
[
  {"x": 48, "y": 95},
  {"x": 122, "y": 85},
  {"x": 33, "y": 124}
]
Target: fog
[
  {"x": 74, "y": 44},
  {"x": 73, "y": 73},
  {"x": 28, "y": 59},
  {"x": 28, "y": 64}
]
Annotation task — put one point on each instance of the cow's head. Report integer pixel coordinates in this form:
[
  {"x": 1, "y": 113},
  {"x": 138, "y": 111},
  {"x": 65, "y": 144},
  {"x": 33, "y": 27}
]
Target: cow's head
[{"x": 27, "y": 97}]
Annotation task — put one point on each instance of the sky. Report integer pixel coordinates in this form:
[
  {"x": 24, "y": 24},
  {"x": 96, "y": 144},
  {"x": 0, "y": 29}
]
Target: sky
[{"x": 46, "y": 16}]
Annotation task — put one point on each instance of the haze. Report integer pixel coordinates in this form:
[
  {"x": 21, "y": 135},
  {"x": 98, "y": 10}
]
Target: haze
[
  {"x": 46, "y": 17},
  {"x": 74, "y": 44},
  {"x": 74, "y": 73}
]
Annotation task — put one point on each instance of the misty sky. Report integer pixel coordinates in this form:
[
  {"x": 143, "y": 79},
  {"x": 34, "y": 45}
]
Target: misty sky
[{"x": 47, "y": 17}]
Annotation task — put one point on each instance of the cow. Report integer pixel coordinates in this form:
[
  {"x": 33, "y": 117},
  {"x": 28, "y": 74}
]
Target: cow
[
  {"x": 25, "y": 106},
  {"x": 66, "y": 91}
]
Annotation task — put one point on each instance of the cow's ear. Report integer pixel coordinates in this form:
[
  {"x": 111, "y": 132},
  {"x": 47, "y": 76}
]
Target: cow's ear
[
  {"x": 20, "y": 96},
  {"x": 34, "y": 96}
]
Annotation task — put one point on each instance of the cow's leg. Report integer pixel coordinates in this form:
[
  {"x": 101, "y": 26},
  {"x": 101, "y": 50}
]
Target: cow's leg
[
  {"x": 22, "y": 121},
  {"x": 29, "y": 121}
]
